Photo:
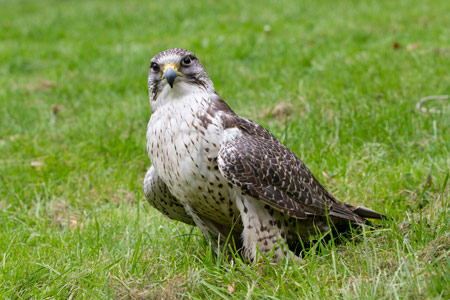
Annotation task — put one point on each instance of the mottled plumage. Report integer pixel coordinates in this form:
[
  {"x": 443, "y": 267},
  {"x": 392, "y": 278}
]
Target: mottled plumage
[{"x": 227, "y": 174}]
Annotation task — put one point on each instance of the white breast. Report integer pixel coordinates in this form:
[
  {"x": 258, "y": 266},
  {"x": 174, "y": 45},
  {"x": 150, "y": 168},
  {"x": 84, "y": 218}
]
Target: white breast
[{"x": 183, "y": 149}]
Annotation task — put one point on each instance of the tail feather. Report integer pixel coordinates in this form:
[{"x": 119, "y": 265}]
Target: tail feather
[
  {"x": 365, "y": 212},
  {"x": 368, "y": 213}
]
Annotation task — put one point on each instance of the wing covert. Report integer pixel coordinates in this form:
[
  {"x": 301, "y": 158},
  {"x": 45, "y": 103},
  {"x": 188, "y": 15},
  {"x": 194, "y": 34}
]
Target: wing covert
[{"x": 265, "y": 169}]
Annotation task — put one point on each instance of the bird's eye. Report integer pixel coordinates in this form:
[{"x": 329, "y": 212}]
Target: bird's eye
[
  {"x": 187, "y": 61},
  {"x": 155, "y": 67}
]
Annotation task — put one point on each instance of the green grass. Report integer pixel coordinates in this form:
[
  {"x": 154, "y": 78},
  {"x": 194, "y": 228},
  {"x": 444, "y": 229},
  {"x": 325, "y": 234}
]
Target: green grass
[{"x": 73, "y": 111}]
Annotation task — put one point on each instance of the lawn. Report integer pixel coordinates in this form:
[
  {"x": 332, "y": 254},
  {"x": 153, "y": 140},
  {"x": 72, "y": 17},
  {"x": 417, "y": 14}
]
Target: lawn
[{"x": 74, "y": 223}]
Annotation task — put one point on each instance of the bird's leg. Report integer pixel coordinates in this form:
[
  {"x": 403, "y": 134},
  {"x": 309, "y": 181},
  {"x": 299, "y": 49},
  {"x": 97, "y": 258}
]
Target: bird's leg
[
  {"x": 209, "y": 232},
  {"x": 215, "y": 232},
  {"x": 262, "y": 231}
]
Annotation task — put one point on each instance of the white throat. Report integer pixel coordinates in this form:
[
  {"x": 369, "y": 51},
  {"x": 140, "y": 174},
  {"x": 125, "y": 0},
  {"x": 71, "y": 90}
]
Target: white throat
[{"x": 181, "y": 91}]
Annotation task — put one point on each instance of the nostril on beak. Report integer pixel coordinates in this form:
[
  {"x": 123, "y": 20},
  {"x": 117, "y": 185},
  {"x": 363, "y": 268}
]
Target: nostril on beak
[{"x": 170, "y": 75}]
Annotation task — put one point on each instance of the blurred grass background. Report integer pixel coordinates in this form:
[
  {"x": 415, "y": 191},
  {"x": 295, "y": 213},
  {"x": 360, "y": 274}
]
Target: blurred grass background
[{"x": 73, "y": 113}]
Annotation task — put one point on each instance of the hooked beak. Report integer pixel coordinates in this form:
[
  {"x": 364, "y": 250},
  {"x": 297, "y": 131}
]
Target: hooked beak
[{"x": 170, "y": 73}]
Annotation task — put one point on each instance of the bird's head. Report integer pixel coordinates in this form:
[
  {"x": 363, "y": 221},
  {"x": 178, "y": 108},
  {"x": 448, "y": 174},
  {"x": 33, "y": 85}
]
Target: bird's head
[{"x": 176, "y": 71}]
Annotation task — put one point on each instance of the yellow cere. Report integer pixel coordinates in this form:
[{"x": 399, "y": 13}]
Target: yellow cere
[{"x": 170, "y": 65}]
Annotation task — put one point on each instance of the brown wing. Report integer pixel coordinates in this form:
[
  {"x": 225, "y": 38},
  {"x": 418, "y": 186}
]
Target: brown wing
[{"x": 265, "y": 169}]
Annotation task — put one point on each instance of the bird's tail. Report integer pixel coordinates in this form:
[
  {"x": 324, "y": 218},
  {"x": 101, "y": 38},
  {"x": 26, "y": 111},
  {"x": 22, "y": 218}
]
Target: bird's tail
[{"x": 365, "y": 212}]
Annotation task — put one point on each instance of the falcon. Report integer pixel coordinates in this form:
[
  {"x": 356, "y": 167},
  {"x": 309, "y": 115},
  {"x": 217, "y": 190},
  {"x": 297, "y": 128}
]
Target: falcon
[{"x": 228, "y": 175}]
